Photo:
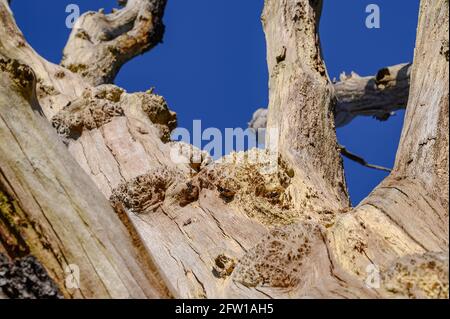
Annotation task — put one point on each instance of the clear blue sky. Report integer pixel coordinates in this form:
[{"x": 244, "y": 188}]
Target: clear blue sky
[{"x": 212, "y": 64}]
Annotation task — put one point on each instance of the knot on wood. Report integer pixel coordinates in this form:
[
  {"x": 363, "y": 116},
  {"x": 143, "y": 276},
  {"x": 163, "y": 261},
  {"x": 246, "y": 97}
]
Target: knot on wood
[{"x": 223, "y": 266}]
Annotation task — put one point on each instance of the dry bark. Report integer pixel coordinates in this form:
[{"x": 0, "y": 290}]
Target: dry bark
[{"x": 231, "y": 228}]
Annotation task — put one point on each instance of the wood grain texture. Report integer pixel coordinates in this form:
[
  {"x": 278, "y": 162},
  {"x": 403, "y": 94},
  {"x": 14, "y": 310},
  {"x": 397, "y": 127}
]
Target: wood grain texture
[
  {"x": 233, "y": 228},
  {"x": 59, "y": 216}
]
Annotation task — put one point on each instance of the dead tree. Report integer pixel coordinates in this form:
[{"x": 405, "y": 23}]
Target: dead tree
[{"x": 70, "y": 141}]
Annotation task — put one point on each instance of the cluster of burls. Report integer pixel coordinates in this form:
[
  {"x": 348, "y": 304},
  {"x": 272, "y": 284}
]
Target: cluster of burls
[
  {"x": 98, "y": 106},
  {"x": 256, "y": 182},
  {"x": 148, "y": 192},
  {"x": 93, "y": 110},
  {"x": 144, "y": 193},
  {"x": 277, "y": 260}
]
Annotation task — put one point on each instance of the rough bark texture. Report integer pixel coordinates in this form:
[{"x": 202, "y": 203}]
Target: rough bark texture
[
  {"x": 232, "y": 228},
  {"x": 26, "y": 279}
]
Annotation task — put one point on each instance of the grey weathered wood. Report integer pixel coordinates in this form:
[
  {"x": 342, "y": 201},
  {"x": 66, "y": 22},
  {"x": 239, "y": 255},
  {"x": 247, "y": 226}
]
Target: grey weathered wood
[{"x": 101, "y": 43}]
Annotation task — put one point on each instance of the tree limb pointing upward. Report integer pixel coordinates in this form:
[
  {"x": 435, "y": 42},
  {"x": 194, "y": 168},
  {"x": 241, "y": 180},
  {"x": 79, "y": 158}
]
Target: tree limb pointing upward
[{"x": 101, "y": 43}]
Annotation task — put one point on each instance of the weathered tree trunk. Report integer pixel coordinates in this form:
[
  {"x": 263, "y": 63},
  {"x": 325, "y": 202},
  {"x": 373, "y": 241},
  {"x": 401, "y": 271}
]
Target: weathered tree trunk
[
  {"x": 233, "y": 228},
  {"x": 50, "y": 208},
  {"x": 407, "y": 215}
]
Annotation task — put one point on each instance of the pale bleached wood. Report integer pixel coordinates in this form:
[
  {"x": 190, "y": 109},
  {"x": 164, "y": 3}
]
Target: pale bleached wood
[
  {"x": 101, "y": 43},
  {"x": 220, "y": 230},
  {"x": 378, "y": 96},
  {"x": 61, "y": 217}
]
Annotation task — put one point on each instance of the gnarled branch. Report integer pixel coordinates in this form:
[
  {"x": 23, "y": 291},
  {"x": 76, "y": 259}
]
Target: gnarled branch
[{"x": 101, "y": 43}]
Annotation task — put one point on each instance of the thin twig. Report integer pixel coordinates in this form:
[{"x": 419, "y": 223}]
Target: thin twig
[{"x": 360, "y": 160}]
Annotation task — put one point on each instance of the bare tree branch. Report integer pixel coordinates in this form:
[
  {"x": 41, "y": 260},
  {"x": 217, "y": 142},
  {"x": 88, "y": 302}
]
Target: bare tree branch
[
  {"x": 378, "y": 96},
  {"x": 101, "y": 43},
  {"x": 258, "y": 126},
  {"x": 358, "y": 159}
]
